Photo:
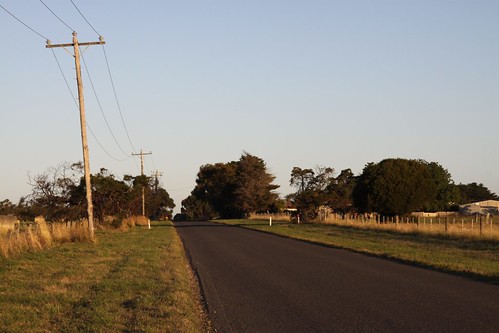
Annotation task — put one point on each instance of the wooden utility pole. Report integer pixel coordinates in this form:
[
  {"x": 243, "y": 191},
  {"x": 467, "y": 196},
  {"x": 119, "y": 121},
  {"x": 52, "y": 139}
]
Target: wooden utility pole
[
  {"x": 141, "y": 154},
  {"x": 83, "y": 124},
  {"x": 156, "y": 174}
]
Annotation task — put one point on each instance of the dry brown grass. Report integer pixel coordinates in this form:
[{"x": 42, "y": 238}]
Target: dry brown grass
[
  {"x": 8, "y": 223},
  {"x": 275, "y": 217},
  {"x": 137, "y": 220},
  {"x": 136, "y": 281},
  {"x": 455, "y": 226},
  {"x": 41, "y": 235}
]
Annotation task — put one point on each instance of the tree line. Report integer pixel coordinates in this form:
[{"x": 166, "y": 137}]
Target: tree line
[
  {"x": 391, "y": 187},
  {"x": 235, "y": 189},
  {"x": 58, "y": 194}
]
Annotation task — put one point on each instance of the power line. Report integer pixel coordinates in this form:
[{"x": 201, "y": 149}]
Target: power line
[
  {"x": 110, "y": 77},
  {"x": 76, "y": 104},
  {"x": 57, "y": 16},
  {"x": 91, "y": 26},
  {"x": 27, "y": 26},
  {"x": 117, "y": 101},
  {"x": 100, "y": 106},
  {"x": 86, "y": 67}
]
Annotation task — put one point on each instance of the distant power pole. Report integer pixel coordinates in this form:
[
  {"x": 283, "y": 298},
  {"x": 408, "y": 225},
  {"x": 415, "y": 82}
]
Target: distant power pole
[
  {"x": 156, "y": 174},
  {"x": 141, "y": 154},
  {"x": 83, "y": 124}
]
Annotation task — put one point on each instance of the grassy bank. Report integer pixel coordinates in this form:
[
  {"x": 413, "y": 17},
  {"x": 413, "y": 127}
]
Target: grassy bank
[
  {"x": 474, "y": 258},
  {"x": 135, "y": 281}
]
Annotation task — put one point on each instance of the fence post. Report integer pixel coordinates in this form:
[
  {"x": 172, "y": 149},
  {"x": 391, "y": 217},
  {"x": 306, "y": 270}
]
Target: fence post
[
  {"x": 481, "y": 226},
  {"x": 270, "y": 220},
  {"x": 446, "y": 224}
]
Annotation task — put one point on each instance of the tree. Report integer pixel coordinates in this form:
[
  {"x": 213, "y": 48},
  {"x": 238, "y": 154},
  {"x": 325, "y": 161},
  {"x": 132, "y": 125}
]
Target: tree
[
  {"x": 339, "y": 192},
  {"x": 59, "y": 194},
  {"x": 231, "y": 190},
  {"x": 394, "y": 187},
  {"x": 195, "y": 209},
  {"x": 7, "y": 207},
  {"x": 160, "y": 204},
  {"x": 474, "y": 192},
  {"x": 311, "y": 189},
  {"x": 110, "y": 196},
  {"x": 446, "y": 192},
  {"x": 302, "y": 179},
  {"x": 254, "y": 190},
  {"x": 51, "y": 190},
  {"x": 122, "y": 198}
]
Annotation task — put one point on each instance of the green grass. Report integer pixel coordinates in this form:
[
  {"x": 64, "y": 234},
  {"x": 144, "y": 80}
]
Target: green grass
[
  {"x": 474, "y": 258},
  {"x": 135, "y": 281}
]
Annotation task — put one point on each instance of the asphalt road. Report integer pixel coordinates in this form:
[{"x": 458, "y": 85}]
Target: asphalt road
[{"x": 257, "y": 282}]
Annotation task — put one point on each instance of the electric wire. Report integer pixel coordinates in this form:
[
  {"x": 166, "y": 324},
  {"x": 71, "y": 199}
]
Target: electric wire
[
  {"x": 27, "y": 26},
  {"x": 91, "y": 26},
  {"x": 77, "y": 107},
  {"x": 57, "y": 16},
  {"x": 117, "y": 100},
  {"x": 69, "y": 88},
  {"x": 100, "y": 105},
  {"x": 110, "y": 77}
]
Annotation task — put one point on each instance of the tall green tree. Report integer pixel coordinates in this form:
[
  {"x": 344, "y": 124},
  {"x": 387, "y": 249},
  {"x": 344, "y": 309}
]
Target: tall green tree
[
  {"x": 394, "y": 187},
  {"x": 254, "y": 190},
  {"x": 231, "y": 190}
]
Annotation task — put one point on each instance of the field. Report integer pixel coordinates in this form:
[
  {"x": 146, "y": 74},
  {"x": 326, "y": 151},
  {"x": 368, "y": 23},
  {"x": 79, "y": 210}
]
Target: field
[
  {"x": 468, "y": 256},
  {"x": 135, "y": 281},
  {"x": 485, "y": 227}
]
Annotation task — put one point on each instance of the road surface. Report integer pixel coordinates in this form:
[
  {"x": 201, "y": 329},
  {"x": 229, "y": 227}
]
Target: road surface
[{"x": 257, "y": 282}]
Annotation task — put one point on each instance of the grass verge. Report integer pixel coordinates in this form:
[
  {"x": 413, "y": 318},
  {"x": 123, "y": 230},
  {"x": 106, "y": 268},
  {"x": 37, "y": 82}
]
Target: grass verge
[
  {"x": 478, "y": 259},
  {"x": 135, "y": 281}
]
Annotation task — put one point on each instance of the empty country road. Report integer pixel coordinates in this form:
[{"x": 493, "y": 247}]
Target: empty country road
[{"x": 258, "y": 282}]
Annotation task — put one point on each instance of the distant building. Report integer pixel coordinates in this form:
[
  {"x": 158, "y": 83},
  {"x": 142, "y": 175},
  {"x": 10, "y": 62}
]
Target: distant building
[{"x": 481, "y": 207}]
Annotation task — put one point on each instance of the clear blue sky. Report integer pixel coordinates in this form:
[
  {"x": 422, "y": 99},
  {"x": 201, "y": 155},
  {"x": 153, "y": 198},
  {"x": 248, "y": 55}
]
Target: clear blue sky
[{"x": 297, "y": 83}]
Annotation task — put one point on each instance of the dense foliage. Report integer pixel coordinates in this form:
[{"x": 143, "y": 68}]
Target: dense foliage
[
  {"x": 474, "y": 192},
  {"x": 59, "y": 194},
  {"x": 391, "y": 187},
  {"x": 230, "y": 190},
  {"x": 394, "y": 187},
  {"x": 238, "y": 188}
]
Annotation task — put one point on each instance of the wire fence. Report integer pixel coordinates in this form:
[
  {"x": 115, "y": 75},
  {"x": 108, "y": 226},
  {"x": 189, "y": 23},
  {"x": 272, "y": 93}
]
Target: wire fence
[{"x": 475, "y": 226}]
